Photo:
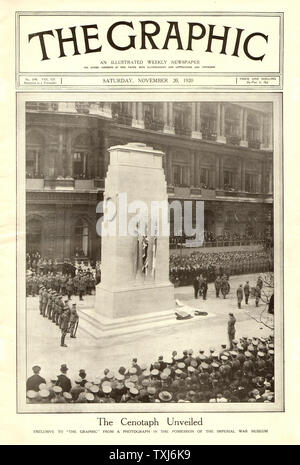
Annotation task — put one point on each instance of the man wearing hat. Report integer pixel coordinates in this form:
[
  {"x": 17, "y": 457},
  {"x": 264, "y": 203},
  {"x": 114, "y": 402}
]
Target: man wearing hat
[
  {"x": 33, "y": 382},
  {"x": 218, "y": 285},
  {"x": 77, "y": 389},
  {"x": 257, "y": 294},
  {"x": 65, "y": 318},
  {"x": 239, "y": 294},
  {"x": 204, "y": 287},
  {"x": 62, "y": 380},
  {"x": 44, "y": 301},
  {"x": 247, "y": 292},
  {"x": 231, "y": 329},
  {"x": 41, "y": 290},
  {"x": 74, "y": 318},
  {"x": 59, "y": 398},
  {"x": 196, "y": 285}
]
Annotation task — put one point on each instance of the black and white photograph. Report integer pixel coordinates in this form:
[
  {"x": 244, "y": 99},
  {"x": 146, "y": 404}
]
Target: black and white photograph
[{"x": 152, "y": 268}]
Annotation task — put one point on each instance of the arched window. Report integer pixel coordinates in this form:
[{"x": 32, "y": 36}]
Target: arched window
[
  {"x": 81, "y": 242},
  {"x": 34, "y": 155},
  {"x": 33, "y": 235}
]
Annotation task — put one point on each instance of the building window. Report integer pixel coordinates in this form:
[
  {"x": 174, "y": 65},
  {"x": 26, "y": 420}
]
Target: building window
[
  {"x": 33, "y": 236},
  {"x": 34, "y": 155},
  {"x": 206, "y": 178},
  {"x": 180, "y": 174},
  {"x": 182, "y": 119},
  {"x": 81, "y": 246},
  {"x": 229, "y": 180},
  {"x": 33, "y": 163},
  {"x": 250, "y": 182},
  {"x": 209, "y": 121},
  {"x": 80, "y": 165},
  {"x": 153, "y": 116}
]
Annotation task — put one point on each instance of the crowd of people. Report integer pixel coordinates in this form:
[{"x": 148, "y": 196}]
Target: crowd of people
[
  {"x": 243, "y": 372},
  {"x": 184, "y": 269}
]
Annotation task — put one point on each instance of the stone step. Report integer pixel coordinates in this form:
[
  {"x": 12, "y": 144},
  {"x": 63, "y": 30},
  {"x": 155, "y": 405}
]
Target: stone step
[{"x": 98, "y": 327}]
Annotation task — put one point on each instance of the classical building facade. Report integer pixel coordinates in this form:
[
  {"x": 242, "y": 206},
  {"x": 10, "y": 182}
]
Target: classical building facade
[{"x": 218, "y": 152}]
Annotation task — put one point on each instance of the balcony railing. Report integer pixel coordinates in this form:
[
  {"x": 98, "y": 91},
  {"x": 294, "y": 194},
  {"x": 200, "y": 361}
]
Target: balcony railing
[
  {"x": 208, "y": 135},
  {"x": 154, "y": 125},
  {"x": 123, "y": 118},
  {"x": 183, "y": 131},
  {"x": 254, "y": 144},
  {"x": 234, "y": 140}
]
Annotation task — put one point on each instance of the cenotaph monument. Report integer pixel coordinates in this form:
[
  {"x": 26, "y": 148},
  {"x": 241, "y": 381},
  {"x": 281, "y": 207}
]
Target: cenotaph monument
[{"x": 134, "y": 267}]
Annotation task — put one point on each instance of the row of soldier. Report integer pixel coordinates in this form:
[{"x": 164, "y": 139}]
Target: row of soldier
[
  {"x": 184, "y": 269},
  {"x": 244, "y": 373},
  {"x": 51, "y": 306},
  {"x": 80, "y": 284}
]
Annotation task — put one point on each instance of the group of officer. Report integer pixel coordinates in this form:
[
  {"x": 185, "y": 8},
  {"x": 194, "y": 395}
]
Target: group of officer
[
  {"x": 222, "y": 286},
  {"x": 57, "y": 310},
  {"x": 244, "y": 373},
  {"x": 184, "y": 269},
  {"x": 80, "y": 284},
  {"x": 246, "y": 291}
]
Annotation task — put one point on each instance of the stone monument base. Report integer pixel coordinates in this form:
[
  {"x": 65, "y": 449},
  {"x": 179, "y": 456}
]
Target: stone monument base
[{"x": 134, "y": 301}]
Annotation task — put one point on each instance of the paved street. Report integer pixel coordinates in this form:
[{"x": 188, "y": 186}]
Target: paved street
[{"x": 43, "y": 337}]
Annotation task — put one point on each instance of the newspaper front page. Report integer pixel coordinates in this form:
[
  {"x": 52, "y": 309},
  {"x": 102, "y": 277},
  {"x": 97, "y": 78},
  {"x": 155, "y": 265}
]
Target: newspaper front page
[{"x": 155, "y": 173}]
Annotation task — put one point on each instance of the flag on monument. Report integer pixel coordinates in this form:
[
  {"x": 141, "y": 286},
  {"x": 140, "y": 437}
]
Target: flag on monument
[{"x": 145, "y": 244}]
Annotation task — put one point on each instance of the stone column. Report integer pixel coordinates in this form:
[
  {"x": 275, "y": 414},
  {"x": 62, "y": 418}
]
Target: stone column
[
  {"x": 221, "y": 181},
  {"x": 169, "y": 167},
  {"x": 107, "y": 109},
  {"x": 196, "y": 131},
  {"x": 271, "y": 178},
  {"x": 243, "y": 128},
  {"x": 69, "y": 154},
  {"x": 138, "y": 118},
  {"x": 168, "y": 118},
  {"x": 221, "y": 123},
  {"x": 217, "y": 172},
  {"x": 240, "y": 175},
  {"x": 59, "y": 170},
  {"x": 192, "y": 169},
  {"x": 243, "y": 176}
]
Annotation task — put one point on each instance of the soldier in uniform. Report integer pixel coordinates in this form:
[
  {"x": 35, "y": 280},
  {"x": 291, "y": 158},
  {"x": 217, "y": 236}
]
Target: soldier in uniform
[
  {"x": 257, "y": 293},
  {"x": 240, "y": 296},
  {"x": 63, "y": 284},
  {"x": 41, "y": 290},
  {"x": 61, "y": 309},
  {"x": 247, "y": 292},
  {"x": 65, "y": 318},
  {"x": 204, "y": 288},
  {"x": 231, "y": 329},
  {"x": 69, "y": 287},
  {"x": 44, "y": 302},
  {"x": 73, "y": 321},
  {"x": 259, "y": 282},
  {"x": 218, "y": 282},
  {"x": 49, "y": 306},
  {"x": 196, "y": 287},
  {"x": 81, "y": 287},
  {"x": 54, "y": 307},
  {"x": 225, "y": 286}
]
